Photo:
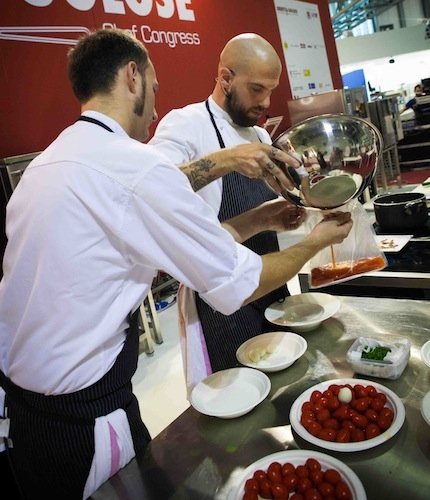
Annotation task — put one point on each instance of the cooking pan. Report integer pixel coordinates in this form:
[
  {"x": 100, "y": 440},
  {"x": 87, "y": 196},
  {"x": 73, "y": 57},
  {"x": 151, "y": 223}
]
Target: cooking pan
[{"x": 401, "y": 212}]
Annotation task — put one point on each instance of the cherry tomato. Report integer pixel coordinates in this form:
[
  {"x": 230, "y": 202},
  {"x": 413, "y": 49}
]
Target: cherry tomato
[
  {"x": 347, "y": 424},
  {"x": 361, "y": 404},
  {"x": 314, "y": 428},
  {"x": 259, "y": 475},
  {"x": 274, "y": 466},
  {"x": 322, "y": 415},
  {"x": 360, "y": 421},
  {"x": 312, "y": 494},
  {"x": 304, "y": 484},
  {"x": 370, "y": 391},
  {"x": 312, "y": 464},
  {"x": 274, "y": 476},
  {"x": 372, "y": 430},
  {"x": 331, "y": 423},
  {"x": 357, "y": 435},
  {"x": 359, "y": 391},
  {"x": 383, "y": 422},
  {"x": 332, "y": 476},
  {"x": 342, "y": 491},
  {"x": 334, "y": 388},
  {"x": 315, "y": 396},
  {"x": 250, "y": 495},
  {"x": 343, "y": 436},
  {"x": 306, "y": 420},
  {"x": 382, "y": 396},
  {"x": 307, "y": 406},
  {"x": 265, "y": 488},
  {"x": 280, "y": 492},
  {"x": 316, "y": 476},
  {"x": 327, "y": 434},
  {"x": 333, "y": 403},
  {"x": 290, "y": 481},
  {"x": 371, "y": 415},
  {"x": 387, "y": 412},
  {"x": 377, "y": 404},
  {"x": 326, "y": 489},
  {"x": 342, "y": 413},
  {"x": 251, "y": 485},
  {"x": 288, "y": 469},
  {"x": 328, "y": 394},
  {"x": 302, "y": 471}
]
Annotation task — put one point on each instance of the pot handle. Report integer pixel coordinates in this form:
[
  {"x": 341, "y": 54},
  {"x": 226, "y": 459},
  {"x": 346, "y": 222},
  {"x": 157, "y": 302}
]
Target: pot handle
[{"x": 410, "y": 204}]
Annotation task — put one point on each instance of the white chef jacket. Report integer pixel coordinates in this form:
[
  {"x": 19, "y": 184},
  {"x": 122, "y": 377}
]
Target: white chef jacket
[
  {"x": 92, "y": 219},
  {"x": 186, "y": 134}
]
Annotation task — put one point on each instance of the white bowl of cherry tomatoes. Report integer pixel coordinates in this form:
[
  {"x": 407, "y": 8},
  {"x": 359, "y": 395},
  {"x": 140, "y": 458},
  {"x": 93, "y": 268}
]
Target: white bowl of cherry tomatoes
[
  {"x": 347, "y": 414},
  {"x": 301, "y": 474}
]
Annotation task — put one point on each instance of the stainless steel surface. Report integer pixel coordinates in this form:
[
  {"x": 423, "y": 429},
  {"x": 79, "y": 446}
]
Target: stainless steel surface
[
  {"x": 340, "y": 153},
  {"x": 196, "y": 455}
]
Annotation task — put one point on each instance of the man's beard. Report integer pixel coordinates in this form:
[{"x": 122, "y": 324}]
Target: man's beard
[
  {"x": 237, "y": 112},
  {"x": 139, "y": 105}
]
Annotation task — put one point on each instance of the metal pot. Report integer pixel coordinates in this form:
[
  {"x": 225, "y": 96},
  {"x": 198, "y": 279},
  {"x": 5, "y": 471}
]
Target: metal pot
[
  {"x": 401, "y": 212},
  {"x": 340, "y": 153}
]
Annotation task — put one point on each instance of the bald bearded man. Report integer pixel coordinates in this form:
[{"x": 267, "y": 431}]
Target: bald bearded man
[{"x": 248, "y": 72}]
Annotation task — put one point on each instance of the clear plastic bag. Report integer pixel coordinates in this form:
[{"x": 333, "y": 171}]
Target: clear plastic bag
[{"x": 358, "y": 254}]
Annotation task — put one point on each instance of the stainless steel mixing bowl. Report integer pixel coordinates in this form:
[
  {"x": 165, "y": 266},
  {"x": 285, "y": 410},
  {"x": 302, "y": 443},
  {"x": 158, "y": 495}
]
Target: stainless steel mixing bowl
[{"x": 340, "y": 154}]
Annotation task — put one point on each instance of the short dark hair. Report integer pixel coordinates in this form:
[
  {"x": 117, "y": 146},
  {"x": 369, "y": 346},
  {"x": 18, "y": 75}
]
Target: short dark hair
[{"x": 95, "y": 60}]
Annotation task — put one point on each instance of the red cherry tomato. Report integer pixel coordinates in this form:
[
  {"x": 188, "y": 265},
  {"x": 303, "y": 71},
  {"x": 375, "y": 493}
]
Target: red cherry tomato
[
  {"x": 259, "y": 475},
  {"x": 274, "y": 466},
  {"x": 312, "y": 464},
  {"x": 304, "y": 484},
  {"x": 361, "y": 404},
  {"x": 360, "y": 421},
  {"x": 357, "y": 435},
  {"x": 280, "y": 492},
  {"x": 314, "y": 428},
  {"x": 343, "y": 436},
  {"x": 381, "y": 396},
  {"x": 347, "y": 424},
  {"x": 326, "y": 489},
  {"x": 370, "y": 391},
  {"x": 333, "y": 403},
  {"x": 306, "y": 420},
  {"x": 307, "y": 406},
  {"x": 327, "y": 434},
  {"x": 315, "y": 396},
  {"x": 288, "y": 469},
  {"x": 250, "y": 495},
  {"x": 251, "y": 485},
  {"x": 371, "y": 415},
  {"x": 332, "y": 476},
  {"x": 342, "y": 413},
  {"x": 297, "y": 496},
  {"x": 290, "y": 481},
  {"x": 302, "y": 471},
  {"x": 316, "y": 476},
  {"x": 342, "y": 491},
  {"x": 322, "y": 415},
  {"x": 359, "y": 391},
  {"x": 383, "y": 422},
  {"x": 265, "y": 488},
  {"x": 387, "y": 412},
  {"x": 312, "y": 494},
  {"x": 334, "y": 388},
  {"x": 274, "y": 476},
  {"x": 331, "y": 423},
  {"x": 377, "y": 404},
  {"x": 372, "y": 430}
]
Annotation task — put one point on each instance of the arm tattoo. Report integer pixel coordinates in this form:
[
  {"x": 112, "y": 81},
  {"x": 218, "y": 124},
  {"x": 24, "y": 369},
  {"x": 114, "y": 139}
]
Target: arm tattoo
[{"x": 200, "y": 173}]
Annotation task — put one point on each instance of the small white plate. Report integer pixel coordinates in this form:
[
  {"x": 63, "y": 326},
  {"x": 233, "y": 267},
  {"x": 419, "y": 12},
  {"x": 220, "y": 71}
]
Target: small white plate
[
  {"x": 230, "y": 393},
  {"x": 425, "y": 408},
  {"x": 287, "y": 313},
  {"x": 425, "y": 353},
  {"x": 392, "y": 242},
  {"x": 298, "y": 457},
  {"x": 272, "y": 351},
  {"x": 393, "y": 402}
]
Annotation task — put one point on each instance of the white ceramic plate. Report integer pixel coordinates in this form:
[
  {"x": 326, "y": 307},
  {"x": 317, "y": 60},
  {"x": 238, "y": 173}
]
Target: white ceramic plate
[
  {"x": 392, "y": 242},
  {"x": 425, "y": 353},
  {"x": 230, "y": 393},
  {"x": 425, "y": 408},
  {"x": 299, "y": 457},
  {"x": 272, "y": 351},
  {"x": 287, "y": 313},
  {"x": 393, "y": 402}
]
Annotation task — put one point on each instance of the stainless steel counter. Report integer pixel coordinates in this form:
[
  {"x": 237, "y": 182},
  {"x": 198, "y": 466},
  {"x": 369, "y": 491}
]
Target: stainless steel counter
[{"x": 194, "y": 457}]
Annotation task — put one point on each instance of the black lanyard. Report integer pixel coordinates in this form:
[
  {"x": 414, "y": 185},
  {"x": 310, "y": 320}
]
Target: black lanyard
[{"x": 94, "y": 121}]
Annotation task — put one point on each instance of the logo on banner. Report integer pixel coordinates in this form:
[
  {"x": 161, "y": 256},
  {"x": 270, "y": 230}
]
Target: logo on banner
[{"x": 69, "y": 35}]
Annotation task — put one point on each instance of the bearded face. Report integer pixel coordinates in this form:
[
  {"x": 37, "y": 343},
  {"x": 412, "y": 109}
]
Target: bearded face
[{"x": 242, "y": 116}]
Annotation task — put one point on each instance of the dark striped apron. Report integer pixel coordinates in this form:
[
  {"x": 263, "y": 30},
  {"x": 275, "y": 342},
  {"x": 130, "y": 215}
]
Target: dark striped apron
[
  {"x": 224, "y": 334},
  {"x": 51, "y": 438}
]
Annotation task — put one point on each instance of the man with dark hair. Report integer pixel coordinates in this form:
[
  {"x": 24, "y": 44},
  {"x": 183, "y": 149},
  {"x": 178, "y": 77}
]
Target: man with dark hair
[{"x": 92, "y": 219}]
